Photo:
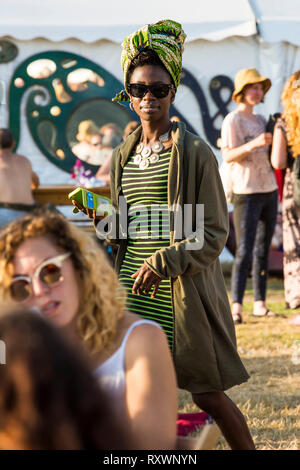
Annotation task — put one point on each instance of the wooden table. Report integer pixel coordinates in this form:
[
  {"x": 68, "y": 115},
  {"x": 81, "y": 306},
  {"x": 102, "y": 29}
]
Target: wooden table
[{"x": 58, "y": 195}]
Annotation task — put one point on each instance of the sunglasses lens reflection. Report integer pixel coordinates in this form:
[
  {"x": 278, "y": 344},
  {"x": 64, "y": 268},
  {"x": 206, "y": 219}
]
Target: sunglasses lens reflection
[
  {"x": 50, "y": 274},
  {"x": 20, "y": 290}
]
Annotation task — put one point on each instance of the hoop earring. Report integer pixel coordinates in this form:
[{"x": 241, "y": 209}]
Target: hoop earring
[{"x": 131, "y": 106}]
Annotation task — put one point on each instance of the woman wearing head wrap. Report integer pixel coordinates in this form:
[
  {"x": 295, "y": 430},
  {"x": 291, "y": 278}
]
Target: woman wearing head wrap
[
  {"x": 172, "y": 274},
  {"x": 245, "y": 147}
]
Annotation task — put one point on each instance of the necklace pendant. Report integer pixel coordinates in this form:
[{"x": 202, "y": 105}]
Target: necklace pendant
[
  {"x": 140, "y": 147},
  {"x": 157, "y": 147},
  {"x": 154, "y": 158},
  {"x": 144, "y": 164},
  {"x": 146, "y": 152},
  {"x": 137, "y": 159}
]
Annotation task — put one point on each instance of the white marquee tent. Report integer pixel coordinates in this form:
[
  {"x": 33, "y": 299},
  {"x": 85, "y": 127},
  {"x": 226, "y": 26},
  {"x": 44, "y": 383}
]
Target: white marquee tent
[{"x": 222, "y": 37}]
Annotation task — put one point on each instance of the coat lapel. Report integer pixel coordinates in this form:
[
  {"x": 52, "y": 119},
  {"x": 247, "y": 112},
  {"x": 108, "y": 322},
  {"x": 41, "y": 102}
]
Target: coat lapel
[{"x": 175, "y": 177}]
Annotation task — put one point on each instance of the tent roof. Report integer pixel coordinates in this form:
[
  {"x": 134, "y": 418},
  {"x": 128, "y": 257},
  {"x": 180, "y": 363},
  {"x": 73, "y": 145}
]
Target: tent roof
[
  {"x": 92, "y": 20},
  {"x": 278, "y": 20}
]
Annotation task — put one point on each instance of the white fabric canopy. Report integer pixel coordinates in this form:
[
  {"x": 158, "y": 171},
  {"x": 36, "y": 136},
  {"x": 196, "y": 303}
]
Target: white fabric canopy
[
  {"x": 278, "y": 20},
  {"x": 93, "y": 20}
]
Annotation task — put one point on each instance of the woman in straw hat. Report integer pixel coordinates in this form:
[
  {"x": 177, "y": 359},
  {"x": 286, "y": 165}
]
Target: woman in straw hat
[
  {"x": 285, "y": 148},
  {"x": 245, "y": 146},
  {"x": 173, "y": 275}
]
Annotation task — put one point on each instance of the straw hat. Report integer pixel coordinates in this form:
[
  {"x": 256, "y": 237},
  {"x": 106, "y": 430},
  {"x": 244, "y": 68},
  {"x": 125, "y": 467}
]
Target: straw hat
[
  {"x": 248, "y": 77},
  {"x": 86, "y": 129}
]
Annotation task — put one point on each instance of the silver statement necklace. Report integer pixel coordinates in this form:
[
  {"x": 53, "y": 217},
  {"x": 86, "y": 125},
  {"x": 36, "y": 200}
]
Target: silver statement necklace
[{"x": 146, "y": 154}]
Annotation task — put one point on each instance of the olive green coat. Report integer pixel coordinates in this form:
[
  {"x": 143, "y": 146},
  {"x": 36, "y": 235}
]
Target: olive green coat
[{"x": 205, "y": 353}]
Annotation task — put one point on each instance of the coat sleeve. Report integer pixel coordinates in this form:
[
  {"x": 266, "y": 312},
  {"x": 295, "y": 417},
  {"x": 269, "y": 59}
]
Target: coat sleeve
[{"x": 198, "y": 250}]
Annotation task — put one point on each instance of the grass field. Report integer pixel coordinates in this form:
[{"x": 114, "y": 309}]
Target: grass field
[{"x": 270, "y": 350}]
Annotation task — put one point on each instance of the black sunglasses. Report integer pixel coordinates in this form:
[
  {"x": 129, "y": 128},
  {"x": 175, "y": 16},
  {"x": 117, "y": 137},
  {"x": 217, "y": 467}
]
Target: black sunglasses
[{"x": 138, "y": 90}]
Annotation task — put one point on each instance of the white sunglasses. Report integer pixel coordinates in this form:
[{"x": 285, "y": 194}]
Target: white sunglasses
[{"x": 49, "y": 272}]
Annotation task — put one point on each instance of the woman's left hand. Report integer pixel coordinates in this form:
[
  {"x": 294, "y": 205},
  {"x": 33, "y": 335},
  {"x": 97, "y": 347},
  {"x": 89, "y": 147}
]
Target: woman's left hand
[{"x": 145, "y": 278}]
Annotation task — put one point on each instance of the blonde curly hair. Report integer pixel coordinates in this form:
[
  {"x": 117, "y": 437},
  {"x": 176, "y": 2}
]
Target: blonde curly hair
[
  {"x": 291, "y": 103},
  {"x": 102, "y": 300}
]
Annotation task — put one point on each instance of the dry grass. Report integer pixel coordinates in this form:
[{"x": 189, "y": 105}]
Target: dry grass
[{"x": 270, "y": 400}]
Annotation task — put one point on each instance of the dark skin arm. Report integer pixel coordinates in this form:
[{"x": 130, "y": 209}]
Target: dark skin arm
[{"x": 146, "y": 280}]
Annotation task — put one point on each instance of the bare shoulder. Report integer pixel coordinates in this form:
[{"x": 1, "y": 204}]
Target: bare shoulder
[
  {"x": 147, "y": 338},
  {"x": 22, "y": 160}
]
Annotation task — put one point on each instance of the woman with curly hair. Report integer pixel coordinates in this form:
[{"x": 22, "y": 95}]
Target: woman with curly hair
[
  {"x": 49, "y": 398},
  {"x": 170, "y": 269},
  {"x": 285, "y": 149},
  {"x": 47, "y": 263}
]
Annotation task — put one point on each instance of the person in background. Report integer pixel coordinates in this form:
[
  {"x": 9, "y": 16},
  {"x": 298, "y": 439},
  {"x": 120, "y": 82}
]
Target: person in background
[
  {"x": 285, "y": 148},
  {"x": 49, "y": 398},
  {"x": 244, "y": 143},
  {"x": 17, "y": 180},
  {"x": 49, "y": 264}
]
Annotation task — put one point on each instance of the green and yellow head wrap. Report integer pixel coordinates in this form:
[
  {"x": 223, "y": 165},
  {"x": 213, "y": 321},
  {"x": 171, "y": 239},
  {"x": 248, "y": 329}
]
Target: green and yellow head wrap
[{"x": 166, "y": 38}]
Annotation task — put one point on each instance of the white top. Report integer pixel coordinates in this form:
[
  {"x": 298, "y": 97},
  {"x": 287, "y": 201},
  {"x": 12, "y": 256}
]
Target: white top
[
  {"x": 111, "y": 373},
  {"x": 254, "y": 173}
]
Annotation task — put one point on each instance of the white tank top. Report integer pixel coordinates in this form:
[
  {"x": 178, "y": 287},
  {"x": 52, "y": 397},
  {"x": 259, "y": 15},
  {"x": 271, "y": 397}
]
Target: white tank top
[{"x": 111, "y": 374}]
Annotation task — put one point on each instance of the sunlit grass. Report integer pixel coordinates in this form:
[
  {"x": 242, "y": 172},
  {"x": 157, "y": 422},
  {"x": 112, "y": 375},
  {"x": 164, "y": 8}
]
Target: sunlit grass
[{"x": 270, "y": 400}]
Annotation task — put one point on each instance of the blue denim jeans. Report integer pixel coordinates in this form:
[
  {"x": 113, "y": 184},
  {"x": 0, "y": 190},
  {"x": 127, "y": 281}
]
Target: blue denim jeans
[{"x": 254, "y": 219}]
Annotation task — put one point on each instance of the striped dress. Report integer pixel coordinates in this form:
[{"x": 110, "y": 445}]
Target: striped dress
[{"x": 146, "y": 193}]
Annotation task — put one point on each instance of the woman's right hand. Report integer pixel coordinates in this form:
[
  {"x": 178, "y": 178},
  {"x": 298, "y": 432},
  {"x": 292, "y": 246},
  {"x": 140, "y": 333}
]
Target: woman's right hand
[{"x": 262, "y": 140}]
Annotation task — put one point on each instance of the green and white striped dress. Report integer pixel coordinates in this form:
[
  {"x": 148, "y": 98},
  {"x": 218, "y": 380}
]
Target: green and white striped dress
[{"x": 146, "y": 193}]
